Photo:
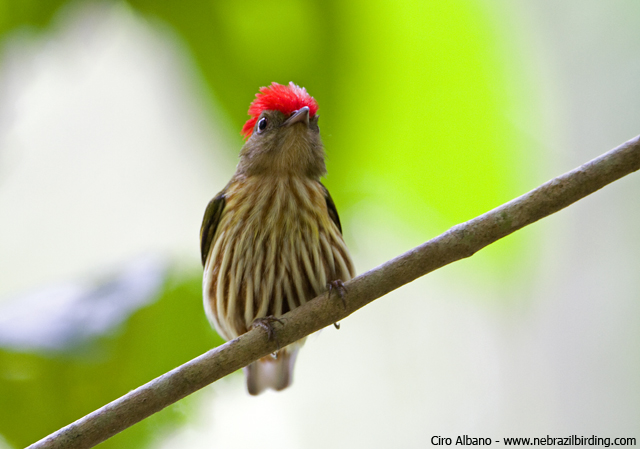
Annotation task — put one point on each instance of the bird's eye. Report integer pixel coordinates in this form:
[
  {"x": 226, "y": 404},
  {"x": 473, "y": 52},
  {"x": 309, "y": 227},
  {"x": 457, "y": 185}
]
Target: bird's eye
[{"x": 262, "y": 124}]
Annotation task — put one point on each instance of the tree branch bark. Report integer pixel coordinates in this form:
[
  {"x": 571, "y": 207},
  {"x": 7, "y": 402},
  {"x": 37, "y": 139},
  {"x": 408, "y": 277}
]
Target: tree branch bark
[{"x": 457, "y": 243}]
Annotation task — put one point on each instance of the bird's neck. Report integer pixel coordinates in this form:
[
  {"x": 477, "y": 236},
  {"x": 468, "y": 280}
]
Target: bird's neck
[{"x": 294, "y": 155}]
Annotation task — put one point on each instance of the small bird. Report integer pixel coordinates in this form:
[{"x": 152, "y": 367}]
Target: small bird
[{"x": 271, "y": 240}]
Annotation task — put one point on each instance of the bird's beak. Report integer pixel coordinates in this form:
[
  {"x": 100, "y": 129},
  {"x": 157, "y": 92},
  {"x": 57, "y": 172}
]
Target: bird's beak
[{"x": 301, "y": 115}]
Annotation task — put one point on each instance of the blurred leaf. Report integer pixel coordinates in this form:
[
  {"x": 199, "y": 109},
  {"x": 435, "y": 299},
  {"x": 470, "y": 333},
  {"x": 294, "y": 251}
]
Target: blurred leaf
[
  {"x": 427, "y": 124},
  {"x": 419, "y": 124},
  {"x": 40, "y": 394}
]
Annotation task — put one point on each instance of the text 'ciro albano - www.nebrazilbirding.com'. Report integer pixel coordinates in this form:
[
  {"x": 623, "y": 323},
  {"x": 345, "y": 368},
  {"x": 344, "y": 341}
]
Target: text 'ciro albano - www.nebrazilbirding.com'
[{"x": 572, "y": 440}]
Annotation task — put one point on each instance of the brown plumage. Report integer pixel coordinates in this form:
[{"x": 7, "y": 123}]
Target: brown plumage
[{"x": 271, "y": 240}]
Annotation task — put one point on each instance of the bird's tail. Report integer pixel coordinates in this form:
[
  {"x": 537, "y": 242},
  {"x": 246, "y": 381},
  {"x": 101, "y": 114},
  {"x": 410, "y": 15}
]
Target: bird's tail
[{"x": 271, "y": 372}]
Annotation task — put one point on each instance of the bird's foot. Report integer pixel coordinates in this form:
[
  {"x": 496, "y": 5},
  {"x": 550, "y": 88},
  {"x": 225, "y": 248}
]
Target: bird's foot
[
  {"x": 266, "y": 323},
  {"x": 339, "y": 288}
]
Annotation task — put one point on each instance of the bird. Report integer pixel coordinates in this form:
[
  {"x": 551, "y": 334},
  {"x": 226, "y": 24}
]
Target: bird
[{"x": 271, "y": 240}]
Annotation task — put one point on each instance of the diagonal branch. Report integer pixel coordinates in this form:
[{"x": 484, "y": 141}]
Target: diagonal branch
[{"x": 457, "y": 243}]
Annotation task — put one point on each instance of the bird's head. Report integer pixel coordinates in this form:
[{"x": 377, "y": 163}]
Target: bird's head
[{"x": 282, "y": 134}]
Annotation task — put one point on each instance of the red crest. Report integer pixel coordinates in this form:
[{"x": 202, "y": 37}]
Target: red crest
[{"x": 277, "y": 97}]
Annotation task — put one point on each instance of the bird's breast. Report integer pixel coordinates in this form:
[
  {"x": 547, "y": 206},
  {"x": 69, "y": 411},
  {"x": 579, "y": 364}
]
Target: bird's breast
[{"x": 275, "y": 248}]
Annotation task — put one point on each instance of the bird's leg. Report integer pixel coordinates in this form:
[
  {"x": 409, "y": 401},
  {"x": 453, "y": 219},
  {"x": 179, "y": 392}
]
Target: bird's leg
[
  {"x": 266, "y": 323},
  {"x": 339, "y": 287}
]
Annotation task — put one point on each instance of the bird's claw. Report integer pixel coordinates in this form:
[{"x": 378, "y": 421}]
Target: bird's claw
[
  {"x": 266, "y": 323},
  {"x": 339, "y": 288}
]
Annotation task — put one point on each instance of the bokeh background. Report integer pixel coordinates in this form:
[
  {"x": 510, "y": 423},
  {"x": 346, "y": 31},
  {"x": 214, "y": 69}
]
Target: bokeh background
[{"x": 120, "y": 120}]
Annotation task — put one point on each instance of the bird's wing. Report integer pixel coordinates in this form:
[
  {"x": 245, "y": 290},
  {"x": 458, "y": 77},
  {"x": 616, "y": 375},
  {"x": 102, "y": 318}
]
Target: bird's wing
[
  {"x": 210, "y": 223},
  {"x": 331, "y": 207}
]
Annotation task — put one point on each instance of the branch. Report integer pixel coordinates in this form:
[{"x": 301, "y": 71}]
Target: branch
[{"x": 457, "y": 243}]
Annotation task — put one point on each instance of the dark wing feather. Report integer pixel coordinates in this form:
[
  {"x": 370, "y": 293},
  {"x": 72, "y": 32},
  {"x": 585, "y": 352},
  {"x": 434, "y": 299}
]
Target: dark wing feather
[
  {"x": 210, "y": 223},
  {"x": 331, "y": 207}
]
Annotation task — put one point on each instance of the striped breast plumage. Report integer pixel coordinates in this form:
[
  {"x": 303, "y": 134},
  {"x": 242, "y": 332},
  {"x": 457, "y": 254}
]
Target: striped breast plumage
[{"x": 276, "y": 246}]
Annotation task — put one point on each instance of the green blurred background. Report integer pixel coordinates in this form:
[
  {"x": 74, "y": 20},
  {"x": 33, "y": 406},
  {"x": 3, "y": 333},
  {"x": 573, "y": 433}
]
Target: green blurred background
[{"x": 120, "y": 120}]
